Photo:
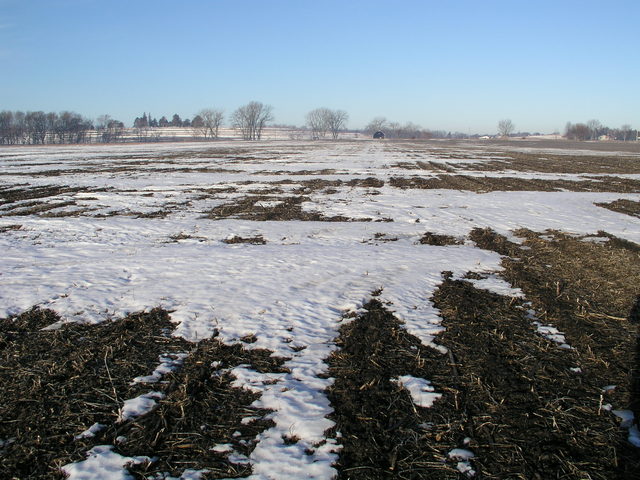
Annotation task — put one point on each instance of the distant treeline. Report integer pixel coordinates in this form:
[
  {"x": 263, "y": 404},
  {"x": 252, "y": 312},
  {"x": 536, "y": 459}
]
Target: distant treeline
[
  {"x": 594, "y": 130},
  {"x": 37, "y": 128},
  {"x": 40, "y": 127}
]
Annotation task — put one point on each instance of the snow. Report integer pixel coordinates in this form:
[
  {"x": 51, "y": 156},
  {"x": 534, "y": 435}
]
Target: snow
[
  {"x": 105, "y": 261},
  {"x": 422, "y": 393},
  {"x": 627, "y": 421},
  {"x": 102, "y": 462},
  {"x": 138, "y": 406},
  {"x": 168, "y": 363},
  {"x": 549, "y": 332},
  {"x": 463, "y": 456},
  {"x": 92, "y": 431}
]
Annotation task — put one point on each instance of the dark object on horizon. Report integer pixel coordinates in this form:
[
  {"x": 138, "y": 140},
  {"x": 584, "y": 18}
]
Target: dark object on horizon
[{"x": 378, "y": 135}]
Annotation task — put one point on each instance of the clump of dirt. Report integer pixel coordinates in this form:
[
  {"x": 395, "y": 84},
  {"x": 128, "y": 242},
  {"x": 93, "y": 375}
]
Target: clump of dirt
[
  {"x": 255, "y": 240},
  {"x": 438, "y": 240},
  {"x": 383, "y": 433},
  {"x": 513, "y": 394},
  {"x": 628, "y": 207},
  {"x": 185, "y": 236},
  {"x": 381, "y": 237},
  {"x": 266, "y": 208}
]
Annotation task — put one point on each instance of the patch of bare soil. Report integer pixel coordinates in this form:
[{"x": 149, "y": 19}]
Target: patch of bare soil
[
  {"x": 201, "y": 410},
  {"x": 430, "y": 238},
  {"x": 493, "y": 184},
  {"x": 324, "y": 171},
  {"x": 255, "y": 240},
  {"x": 16, "y": 193},
  {"x": 328, "y": 186},
  {"x": 383, "y": 433},
  {"x": 513, "y": 395},
  {"x": 9, "y": 228},
  {"x": 185, "y": 236},
  {"x": 17, "y": 201},
  {"x": 554, "y": 163},
  {"x": 586, "y": 290},
  {"x": 56, "y": 384},
  {"x": 266, "y": 208},
  {"x": 628, "y": 207}
]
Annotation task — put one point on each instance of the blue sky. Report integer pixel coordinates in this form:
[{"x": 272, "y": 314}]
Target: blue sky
[{"x": 448, "y": 65}]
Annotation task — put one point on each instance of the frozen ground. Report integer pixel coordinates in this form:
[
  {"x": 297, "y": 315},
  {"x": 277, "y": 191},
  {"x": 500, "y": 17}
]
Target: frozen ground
[{"x": 129, "y": 228}]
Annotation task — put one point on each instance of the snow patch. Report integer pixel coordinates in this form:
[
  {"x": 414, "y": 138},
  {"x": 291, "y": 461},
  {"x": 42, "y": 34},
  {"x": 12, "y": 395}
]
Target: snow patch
[
  {"x": 422, "y": 393},
  {"x": 136, "y": 407},
  {"x": 103, "y": 463}
]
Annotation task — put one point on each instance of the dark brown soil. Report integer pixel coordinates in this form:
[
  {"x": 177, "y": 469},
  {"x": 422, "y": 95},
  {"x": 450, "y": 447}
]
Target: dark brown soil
[
  {"x": 201, "y": 410},
  {"x": 511, "y": 396},
  {"x": 256, "y": 240},
  {"x": 586, "y": 290},
  {"x": 628, "y": 207},
  {"x": 9, "y": 228},
  {"x": 20, "y": 200},
  {"x": 558, "y": 163},
  {"x": 56, "y": 384},
  {"x": 384, "y": 435},
  {"x": 527, "y": 415},
  {"x": 430, "y": 238},
  {"x": 288, "y": 208},
  {"x": 492, "y": 184},
  {"x": 20, "y": 193}
]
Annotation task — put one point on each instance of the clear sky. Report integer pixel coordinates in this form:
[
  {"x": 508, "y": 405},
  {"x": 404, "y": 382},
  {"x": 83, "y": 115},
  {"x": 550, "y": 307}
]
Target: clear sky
[{"x": 446, "y": 65}]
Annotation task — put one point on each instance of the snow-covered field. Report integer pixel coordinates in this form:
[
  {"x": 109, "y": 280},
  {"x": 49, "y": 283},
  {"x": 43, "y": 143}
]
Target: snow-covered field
[{"x": 131, "y": 228}]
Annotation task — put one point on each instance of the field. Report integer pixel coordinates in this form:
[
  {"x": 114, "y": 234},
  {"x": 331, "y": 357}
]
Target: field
[{"x": 350, "y": 309}]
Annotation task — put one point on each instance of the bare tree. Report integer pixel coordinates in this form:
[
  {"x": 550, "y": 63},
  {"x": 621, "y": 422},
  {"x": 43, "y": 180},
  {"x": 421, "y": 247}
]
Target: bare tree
[
  {"x": 36, "y": 127},
  {"x": 395, "y": 128},
  {"x": 250, "y": 119},
  {"x": 6, "y": 126},
  {"x": 377, "y": 124},
  {"x": 318, "y": 122},
  {"x": 579, "y": 131},
  {"x": 336, "y": 121},
  {"x": 594, "y": 127},
  {"x": 505, "y": 127},
  {"x": 102, "y": 121},
  {"x": 211, "y": 121},
  {"x": 625, "y": 130}
]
